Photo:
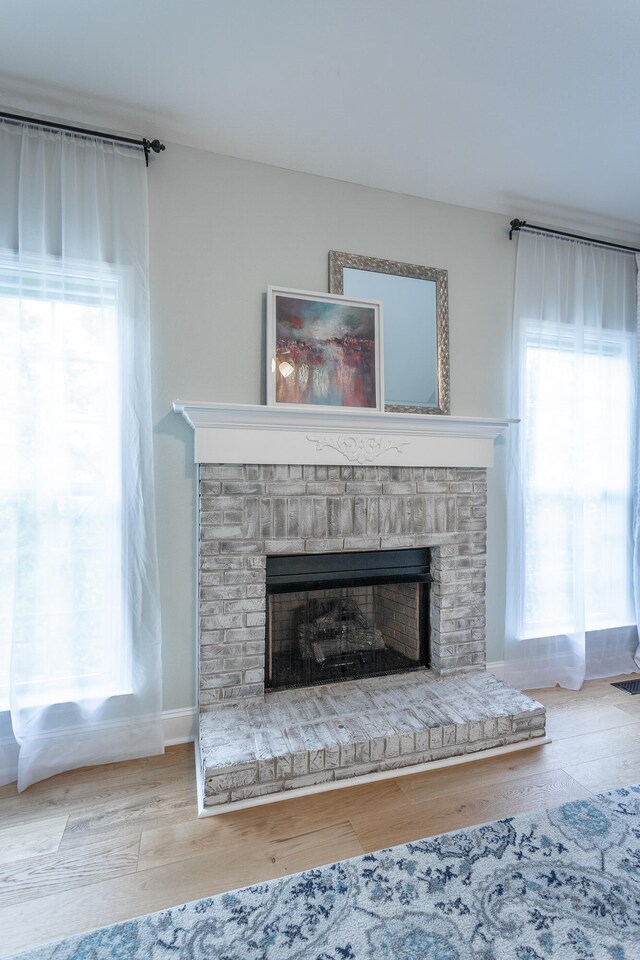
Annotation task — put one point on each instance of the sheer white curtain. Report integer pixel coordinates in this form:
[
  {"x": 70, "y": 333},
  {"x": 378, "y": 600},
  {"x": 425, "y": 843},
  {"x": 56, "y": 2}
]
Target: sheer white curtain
[
  {"x": 570, "y": 601},
  {"x": 636, "y": 486},
  {"x": 80, "y": 670}
]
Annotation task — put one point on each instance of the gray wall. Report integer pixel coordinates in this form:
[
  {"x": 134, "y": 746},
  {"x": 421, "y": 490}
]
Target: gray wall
[{"x": 221, "y": 231}]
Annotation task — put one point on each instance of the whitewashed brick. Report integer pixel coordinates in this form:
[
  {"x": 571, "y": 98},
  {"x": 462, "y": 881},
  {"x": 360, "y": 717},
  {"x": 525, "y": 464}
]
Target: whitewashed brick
[{"x": 319, "y": 509}]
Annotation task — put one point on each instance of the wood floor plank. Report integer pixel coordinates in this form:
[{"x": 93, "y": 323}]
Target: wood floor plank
[
  {"x": 87, "y": 907},
  {"x": 36, "y": 877},
  {"x": 598, "y": 745},
  {"x": 77, "y": 790},
  {"x": 455, "y": 811},
  {"x": 574, "y": 718},
  {"x": 476, "y": 775},
  {"x": 122, "y": 818},
  {"x": 549, "y": 756},
  {"x": 24, "y": 840},
  {"x": 607, "y": 774},
  {"x": 274, "y": 822},
  {"x": 600, "y": 689},
  {"x": 293, "y": 816},
  {"x": 631, "y": 706}
]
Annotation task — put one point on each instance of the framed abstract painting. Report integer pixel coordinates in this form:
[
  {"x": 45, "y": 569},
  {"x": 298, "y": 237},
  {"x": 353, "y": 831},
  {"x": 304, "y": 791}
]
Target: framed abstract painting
[{"x": 323, "y": 350}]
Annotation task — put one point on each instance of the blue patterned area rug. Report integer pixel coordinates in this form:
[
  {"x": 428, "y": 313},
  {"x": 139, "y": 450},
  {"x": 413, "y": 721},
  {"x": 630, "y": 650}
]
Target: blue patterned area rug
[{"x": 561, "y": 883}]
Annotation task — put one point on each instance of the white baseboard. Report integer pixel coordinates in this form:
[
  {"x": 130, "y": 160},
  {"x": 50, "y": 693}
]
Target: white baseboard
[
  {"x": 496, "y": 668},
  {"x": 180, "y": 726},
  {"x": 8, "y": 760}
]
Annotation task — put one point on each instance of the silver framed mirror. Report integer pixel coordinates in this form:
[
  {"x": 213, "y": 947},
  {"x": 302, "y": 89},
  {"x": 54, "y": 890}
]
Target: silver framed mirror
[{"x": 415, "y": 326}]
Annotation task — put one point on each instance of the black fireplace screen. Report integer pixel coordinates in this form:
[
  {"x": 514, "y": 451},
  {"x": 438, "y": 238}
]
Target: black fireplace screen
[{"x": 346, "y": 615}]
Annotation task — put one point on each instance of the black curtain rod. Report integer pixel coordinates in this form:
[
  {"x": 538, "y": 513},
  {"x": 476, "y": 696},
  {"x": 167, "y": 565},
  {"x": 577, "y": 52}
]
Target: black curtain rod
[
  {"x": 147, "y": 145},
  {"x": 517, "y": 225}
]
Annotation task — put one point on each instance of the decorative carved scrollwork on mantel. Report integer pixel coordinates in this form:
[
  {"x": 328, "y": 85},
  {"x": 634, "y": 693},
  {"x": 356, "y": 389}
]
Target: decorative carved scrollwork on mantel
[
  {"x": 358, "y": 448},
  {"x": 238, "y": 433}
]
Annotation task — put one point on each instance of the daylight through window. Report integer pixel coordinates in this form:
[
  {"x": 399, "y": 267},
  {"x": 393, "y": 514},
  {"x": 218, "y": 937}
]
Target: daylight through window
[
  {"x": 60, "y": 482},
  {"x": 578, "y": 485}
]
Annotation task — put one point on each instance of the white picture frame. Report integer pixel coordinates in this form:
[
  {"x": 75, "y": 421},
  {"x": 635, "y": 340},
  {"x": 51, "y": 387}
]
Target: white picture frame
[{"x": 323, "y": 350}]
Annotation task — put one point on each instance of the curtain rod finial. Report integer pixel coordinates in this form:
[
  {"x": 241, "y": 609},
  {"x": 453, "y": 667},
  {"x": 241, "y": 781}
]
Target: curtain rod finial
[
  {"x": 154, "y": 145},
  {"x": 516, "y": 225}
]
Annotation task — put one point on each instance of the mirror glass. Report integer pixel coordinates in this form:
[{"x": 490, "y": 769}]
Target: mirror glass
[
  {"x": 409, "y": 333},
  {"x": 414, "y": 324}
]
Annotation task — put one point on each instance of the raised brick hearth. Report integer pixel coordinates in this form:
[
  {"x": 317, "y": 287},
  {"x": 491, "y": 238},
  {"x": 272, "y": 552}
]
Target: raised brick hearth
[{"x": 324, "y": 736}]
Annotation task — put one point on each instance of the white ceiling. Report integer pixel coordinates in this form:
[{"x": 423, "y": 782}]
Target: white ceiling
[{"x": 522, "y": 107}]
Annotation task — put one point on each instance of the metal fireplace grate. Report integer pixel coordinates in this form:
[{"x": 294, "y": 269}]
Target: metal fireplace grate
[{"x": 629, "y": 686}]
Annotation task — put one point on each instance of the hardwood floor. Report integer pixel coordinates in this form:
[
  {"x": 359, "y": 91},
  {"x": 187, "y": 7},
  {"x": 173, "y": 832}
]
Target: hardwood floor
[{"x": 104, "y": 844}]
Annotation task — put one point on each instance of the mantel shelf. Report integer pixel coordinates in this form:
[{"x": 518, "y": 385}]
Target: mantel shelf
[{"x": 252, "y": 433}]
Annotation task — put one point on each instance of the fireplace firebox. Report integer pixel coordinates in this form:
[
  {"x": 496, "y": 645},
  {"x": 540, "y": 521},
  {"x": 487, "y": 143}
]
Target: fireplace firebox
[{"x": 342, "y": 616}]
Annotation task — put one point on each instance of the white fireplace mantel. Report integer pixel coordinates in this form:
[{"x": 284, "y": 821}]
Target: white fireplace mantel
[{"x": 252, "y": 433}]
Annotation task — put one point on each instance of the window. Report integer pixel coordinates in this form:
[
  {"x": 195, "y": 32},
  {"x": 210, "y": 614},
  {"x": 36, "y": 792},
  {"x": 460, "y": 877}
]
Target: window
[
  {"x": 60, "y": 481},
  {"x": 579, "y": 480},
  {"x": 80, "y": 663}
]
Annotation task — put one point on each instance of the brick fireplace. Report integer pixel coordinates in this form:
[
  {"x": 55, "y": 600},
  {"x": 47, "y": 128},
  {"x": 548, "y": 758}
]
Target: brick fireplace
[
  {"x": 391, "y": 494},
  {"x": 251, "y": 511}
]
